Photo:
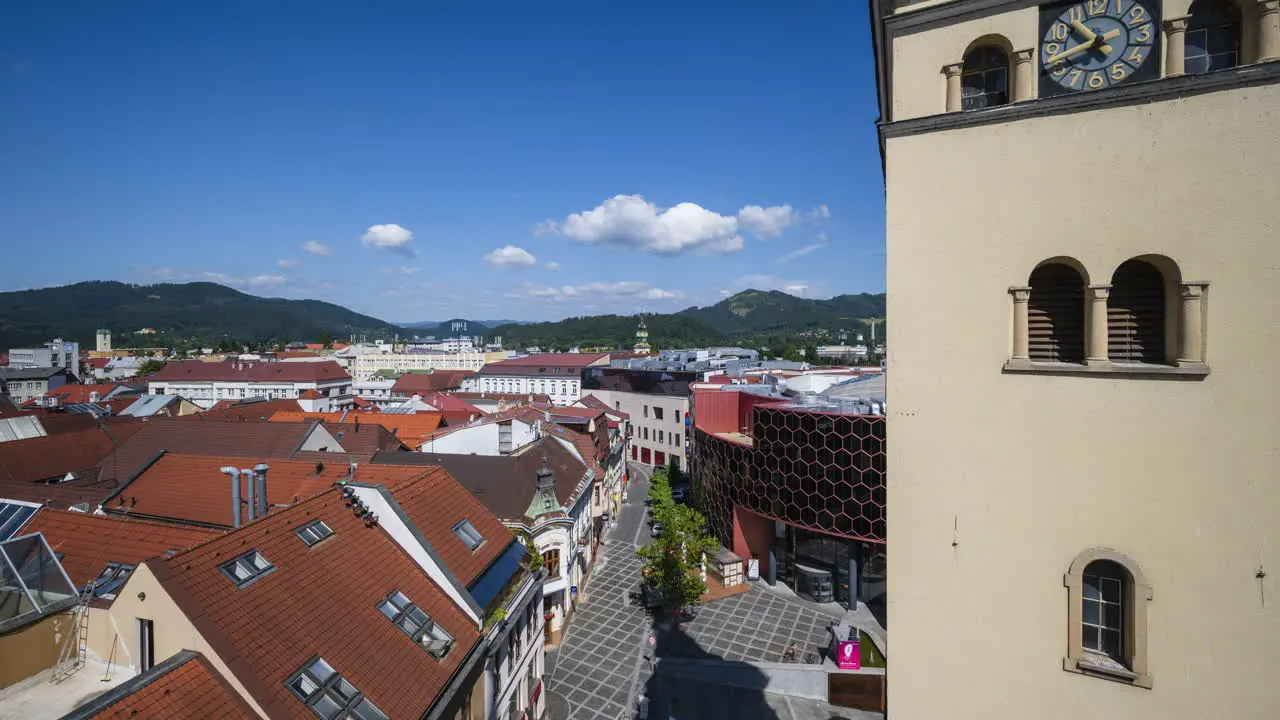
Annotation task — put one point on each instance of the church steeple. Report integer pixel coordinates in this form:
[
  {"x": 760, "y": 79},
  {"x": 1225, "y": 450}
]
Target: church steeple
[{"x": 642, "y": 336}]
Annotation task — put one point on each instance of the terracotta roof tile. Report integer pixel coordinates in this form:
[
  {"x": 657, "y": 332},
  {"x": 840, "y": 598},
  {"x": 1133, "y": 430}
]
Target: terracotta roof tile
[
  {"x": 320, "y": 600},
  {"x": 192, "y": 488},
  {"x": 531, "y": 398},
  {"x": 436, "y": 502},
  {"x": 249, "y": 440},
  {"x": 249, "y": 371},
  {"x": 25, "y": 463},
  {"x": 504, "y": 483},
  {"x": 409, "y": 429},
  {"x": 79, "y": 393},
  {"x": 591, "y": 401},
  {"x": 253, "y": 409},
  {"x": 88, "y": 542},
  {"x": 190, "y": 688},
  {"x": 412, "y": 383}
]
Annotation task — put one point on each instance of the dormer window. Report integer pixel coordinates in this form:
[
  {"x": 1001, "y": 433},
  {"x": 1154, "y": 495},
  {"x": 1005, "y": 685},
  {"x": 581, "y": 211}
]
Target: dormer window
[{"x": 416, "y": 624}]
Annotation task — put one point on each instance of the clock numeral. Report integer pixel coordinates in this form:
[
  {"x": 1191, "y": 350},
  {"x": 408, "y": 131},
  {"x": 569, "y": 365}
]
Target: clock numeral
[
  {"x": 1097, "y": 7},
  {"x": 1119, "y": 71},
  {"x": 1137, "y": 14},
  {"x": 1074, "y": 77},
  {"x": 1135, "y": 56},
  {"x": 1059, "y": 32},
  {"x": 1075, "y": 14},
  {"x": 1058, "y": 69},
  {"x": 1051, "y": 49},
  {"x": 1143, "y": 34},
  {"x": 1096, "y": 80},
  {"x": 1119, "y": 7}
]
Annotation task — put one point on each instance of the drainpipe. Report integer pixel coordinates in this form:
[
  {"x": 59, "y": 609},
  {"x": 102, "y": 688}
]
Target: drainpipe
[{"x": 234, "y": 474}]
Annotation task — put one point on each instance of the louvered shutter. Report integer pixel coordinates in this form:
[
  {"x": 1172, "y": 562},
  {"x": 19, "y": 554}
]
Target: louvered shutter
[
  {"x": 1135, "y": 314},
  {"x": 1055, "y": 315}
]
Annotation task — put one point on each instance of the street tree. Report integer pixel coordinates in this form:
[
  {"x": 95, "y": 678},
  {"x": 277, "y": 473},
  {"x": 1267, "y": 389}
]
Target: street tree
[{"x": 672, "y": 563}]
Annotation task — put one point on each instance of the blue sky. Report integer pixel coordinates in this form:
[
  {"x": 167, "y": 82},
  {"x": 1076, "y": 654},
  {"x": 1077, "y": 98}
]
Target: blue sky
[{"x": 430, "y": 160}]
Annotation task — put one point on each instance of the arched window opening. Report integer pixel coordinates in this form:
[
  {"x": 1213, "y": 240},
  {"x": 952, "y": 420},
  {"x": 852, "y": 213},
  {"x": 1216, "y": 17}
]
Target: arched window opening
[
  {"x": 1103, "y": 602},
  {"x": 1136, "y": 314},
  {"x": 1213, "y": 36},
  {"x": 1055, "y": 315},
  {"x": 985, "y": 78}
]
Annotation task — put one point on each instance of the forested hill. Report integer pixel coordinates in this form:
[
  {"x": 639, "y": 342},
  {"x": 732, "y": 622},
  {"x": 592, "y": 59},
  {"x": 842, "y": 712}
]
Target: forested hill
[
  {"x": 752, "y": 317},
  {"x": 198, "y": 310}
]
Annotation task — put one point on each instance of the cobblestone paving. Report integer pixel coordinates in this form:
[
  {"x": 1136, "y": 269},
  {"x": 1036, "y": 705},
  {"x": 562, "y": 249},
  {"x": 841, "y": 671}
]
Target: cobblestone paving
[
  {"x": 600, "y": 666},
  {"x": 597, "y": 666}
]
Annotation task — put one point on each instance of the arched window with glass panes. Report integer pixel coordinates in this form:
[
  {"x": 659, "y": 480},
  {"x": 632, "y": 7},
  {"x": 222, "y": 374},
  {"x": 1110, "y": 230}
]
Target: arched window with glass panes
[
  {"x": 984, "y": 79},
  {"x": 1212, "y": 41}
]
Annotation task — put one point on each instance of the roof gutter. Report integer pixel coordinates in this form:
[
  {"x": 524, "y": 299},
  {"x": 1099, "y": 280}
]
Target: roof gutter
[{"x": 883, "y": 68}]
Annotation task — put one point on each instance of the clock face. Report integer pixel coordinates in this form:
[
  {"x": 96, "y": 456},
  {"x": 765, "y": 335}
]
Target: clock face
[{"x": 1096, "y": 44}]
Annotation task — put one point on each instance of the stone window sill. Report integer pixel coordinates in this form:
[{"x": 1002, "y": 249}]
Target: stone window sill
[
  {"x": 1182, "y": 370},
  {"x": 1105, "y": 669}
]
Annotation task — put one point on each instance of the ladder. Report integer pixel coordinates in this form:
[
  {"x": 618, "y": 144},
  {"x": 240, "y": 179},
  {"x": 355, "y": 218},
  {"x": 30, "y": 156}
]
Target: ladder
[{"x": 75, "y": 646}]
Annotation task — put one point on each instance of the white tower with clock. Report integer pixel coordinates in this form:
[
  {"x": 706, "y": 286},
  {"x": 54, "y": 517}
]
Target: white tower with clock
[{"x": 1081, "y": 207}]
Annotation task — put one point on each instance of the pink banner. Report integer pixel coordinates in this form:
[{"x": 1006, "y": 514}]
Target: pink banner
[{"x": 848, "y": 655}]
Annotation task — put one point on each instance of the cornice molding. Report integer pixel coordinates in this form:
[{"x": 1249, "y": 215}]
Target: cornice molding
[{"x": 1168, "y": 88}]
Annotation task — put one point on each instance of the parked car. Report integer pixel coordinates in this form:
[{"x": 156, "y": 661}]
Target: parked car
[
  {"x": 679, "y": 495},
  {"x": 656, "y": 530}
]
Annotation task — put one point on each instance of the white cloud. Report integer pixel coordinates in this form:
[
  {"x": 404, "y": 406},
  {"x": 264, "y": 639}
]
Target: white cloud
[
  {"x": 255, "y": 282},
  {"x": 822, "y": 212},
  {"x": 389, "y": 237},
  {"x": 510, "y": 256},
  {"x": 286, "y": 263},
  {"x": 546, "y": 227},
  {"x": 401, "y": 270},
  {"x": 316, "y": 248},
  {"x": 552, "y": 265},
  {"x": 616, "y": 291},
  {"x": 766, "y": 222},
  {"x": 799, "y": 252},
  {"x": 631, "y": 221}
]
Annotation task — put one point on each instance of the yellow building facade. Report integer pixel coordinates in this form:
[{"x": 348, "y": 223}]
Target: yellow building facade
[{"x": 1083, "y": 273}]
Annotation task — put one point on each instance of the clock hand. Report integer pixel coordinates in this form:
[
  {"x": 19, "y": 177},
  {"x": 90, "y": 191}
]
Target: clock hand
[
  {"x": 1089, "y": 35},
  {"x": 1080, "y": 48}
]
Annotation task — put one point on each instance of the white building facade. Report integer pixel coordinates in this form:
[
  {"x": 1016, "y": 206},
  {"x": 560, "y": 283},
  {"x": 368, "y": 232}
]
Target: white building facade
[{"x": 369, "y": 360}]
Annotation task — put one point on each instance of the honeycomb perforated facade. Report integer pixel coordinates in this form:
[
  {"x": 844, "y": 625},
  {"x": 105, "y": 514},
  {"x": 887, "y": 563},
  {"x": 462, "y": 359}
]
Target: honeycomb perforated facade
[{"x": 815, "y": 470}]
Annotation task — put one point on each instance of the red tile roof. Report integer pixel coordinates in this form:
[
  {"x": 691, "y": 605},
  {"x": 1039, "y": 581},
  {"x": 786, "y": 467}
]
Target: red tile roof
[
  {"x": 79, "y": 393},
  {"x": 249, "y": 371},
  {"x": 530, "y": 398},
  {"x": 311, "y": 394},
  {"x": 88, "y": 542},
  {"x": 592, "y": 401},
  {"x": 186, "y": 686},
  {"x": 575, "y": 360},
  {"x": 25, "y": 463},
  {"x": 252, "y": 409},
  {"x": 249, "y": 440},
  {"x": 435, "y": 502},
  {"x": 450, "y": 402},
  {"x": 409, "y": 429},
  {"x": 97, "y": 363},
  {"x": 192, "y": 488},
  {"x": 318, "y": 601},
  {"x": 411, "y": 383}
]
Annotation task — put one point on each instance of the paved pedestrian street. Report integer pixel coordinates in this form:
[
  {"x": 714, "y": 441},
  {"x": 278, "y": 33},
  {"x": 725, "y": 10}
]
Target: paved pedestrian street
[{"x": 603, "y": 663}]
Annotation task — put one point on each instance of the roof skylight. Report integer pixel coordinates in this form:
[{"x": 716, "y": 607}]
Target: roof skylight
[
  {"x": 468, "y": 534},
  {"x": 247, "y": 568}
]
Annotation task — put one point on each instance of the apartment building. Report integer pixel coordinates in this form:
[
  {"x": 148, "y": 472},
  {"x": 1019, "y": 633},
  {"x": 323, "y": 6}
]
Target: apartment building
[
  {"x": 1082, "y": 292},
  {"x": 23, "y": 384},
  {"x": 207, "y": 383},
  {"x": 557, "y": 375},
  {"x": 366, "y": 361}
]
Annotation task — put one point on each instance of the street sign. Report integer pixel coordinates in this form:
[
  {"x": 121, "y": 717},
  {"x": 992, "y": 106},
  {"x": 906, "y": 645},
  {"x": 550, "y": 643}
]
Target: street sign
[
  {"x": 573, "y": 589},
  {"x": 652, "y": 640}
]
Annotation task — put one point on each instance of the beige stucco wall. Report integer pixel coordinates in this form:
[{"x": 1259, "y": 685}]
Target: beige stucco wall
[
  {"x": 173, "y": 631},
  {"x": 1025, "y": 471},
  {"x": 634, "y": 403},
  {"x": 32, "y": 649}
]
